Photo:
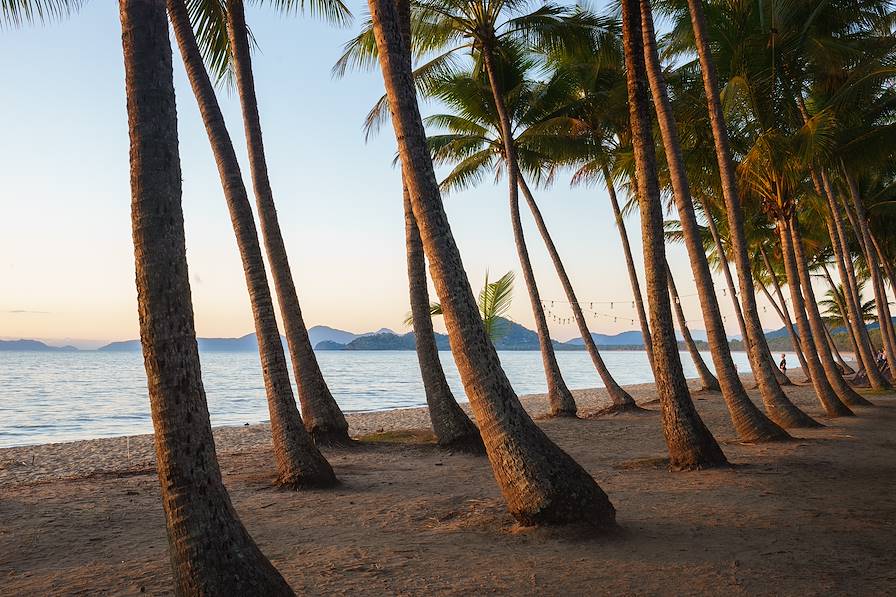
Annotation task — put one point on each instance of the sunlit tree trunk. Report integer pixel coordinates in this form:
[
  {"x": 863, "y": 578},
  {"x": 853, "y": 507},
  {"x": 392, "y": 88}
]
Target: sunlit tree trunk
[
  {"x": 299, "y": 462},
  {"x": 322, "y": 416},
  {"x": 708, "y": 381},
  {"x": 690, "y": 443},
  {"x": 846, "y": 394},
  {"x": 738, "y": 312},
  {"x": 452, "y": 426},
  {"x": 884, "y": 318},
  {"x": 630, "y": 266},
  {"x": 619, "y": 397},
  {"x": 749, "y": 422},
  {"x": 763, "y": 368},
  {"x": 540, "y": 483},
  {"x": 823, "y": 390},
  {"x": 783, "y": 312},
  {"x": 210, "y": 551},
  {"x": 856, "y": 321}
]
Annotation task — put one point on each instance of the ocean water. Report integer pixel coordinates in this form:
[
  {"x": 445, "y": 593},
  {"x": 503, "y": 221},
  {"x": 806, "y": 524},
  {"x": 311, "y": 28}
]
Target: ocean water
[{"x": 63, "y": 396}]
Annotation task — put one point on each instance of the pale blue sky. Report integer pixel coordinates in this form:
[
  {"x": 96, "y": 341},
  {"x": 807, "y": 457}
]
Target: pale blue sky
[{"x": 66, "y": 261}]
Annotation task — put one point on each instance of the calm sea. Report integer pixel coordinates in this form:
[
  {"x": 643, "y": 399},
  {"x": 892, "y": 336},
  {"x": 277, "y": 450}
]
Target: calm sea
[{"x": 52, "y": 397}]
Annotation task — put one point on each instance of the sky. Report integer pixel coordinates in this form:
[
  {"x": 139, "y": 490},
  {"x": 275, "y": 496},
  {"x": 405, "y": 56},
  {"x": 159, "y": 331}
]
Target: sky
[{"x": 66, "y": 258}]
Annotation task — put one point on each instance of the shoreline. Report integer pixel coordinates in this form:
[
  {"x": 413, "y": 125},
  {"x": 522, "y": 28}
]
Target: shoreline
[{"x": 53, "y": 461}]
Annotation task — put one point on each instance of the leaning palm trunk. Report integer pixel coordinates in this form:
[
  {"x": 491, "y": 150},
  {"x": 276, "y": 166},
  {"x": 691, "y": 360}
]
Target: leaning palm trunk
[
  {"x": 452, "y": 426},
  {"x": 707, "y": 379},
  {"x": 780, "y": 376},
  {"x": 856, "y": 322},
  {"x": 690, "y": 443},
  {"x": 749, "y": 422},
  {"x": 846, "y": 394},
  {"x": 841, "y": 306},
  {"x": 559, "y": 397},
  {"x": 782, "y": 310},
  {"x": 763, "y": 367},
  {"x": 846, "y": 369},
  {"x": 299, "y": 462},
  {"x": 630, "y": 265},
  {"x": 210, "y": 551},
  {"x": 621, "y": 400},
  {"x": 539, "y": 481},
  {"x": 863, "y": 232},
  {"x": 823, "y": 390},
  {"x": 322, "y": 416}
]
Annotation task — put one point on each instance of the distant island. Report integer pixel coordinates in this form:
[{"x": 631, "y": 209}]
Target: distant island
[{"x": 32, "y": 346}]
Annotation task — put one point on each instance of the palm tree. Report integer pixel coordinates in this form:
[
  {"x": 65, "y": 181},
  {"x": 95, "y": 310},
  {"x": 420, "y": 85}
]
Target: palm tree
[
  {"x": 470, "y": 143},
  {"x": 690, "y": 443},
  {"x": 748, "y": 420},
  {"x": 211, "y": 552},
  {"x": 475, "y": 146},
  {"x": 322, "y": 416},
  {"x": 452, "y": 426},
  {"x": 762, "y": 366},
  {"x": 494, "y": 302},
  {"x": 299, "y": 462},
  {"x": 774, "y": 171},
  {"x": 833, "y": 303},
  {"x": 541, "y": 484}
]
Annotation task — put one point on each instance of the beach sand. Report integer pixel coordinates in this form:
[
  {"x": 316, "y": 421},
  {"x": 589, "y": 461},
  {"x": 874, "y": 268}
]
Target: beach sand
[{"x": 812, "y": 517}]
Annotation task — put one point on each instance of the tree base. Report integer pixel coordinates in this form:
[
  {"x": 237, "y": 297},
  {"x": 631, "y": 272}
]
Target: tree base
[
  {"x": 306, "y": 481},
  {"x": 469, "y": 444},
  {"x": 332, "y": 438}
]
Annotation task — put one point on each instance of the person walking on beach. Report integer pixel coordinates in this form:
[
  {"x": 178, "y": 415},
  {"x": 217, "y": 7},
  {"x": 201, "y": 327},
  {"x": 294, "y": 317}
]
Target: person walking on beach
[{"x": 783, "y": 364}]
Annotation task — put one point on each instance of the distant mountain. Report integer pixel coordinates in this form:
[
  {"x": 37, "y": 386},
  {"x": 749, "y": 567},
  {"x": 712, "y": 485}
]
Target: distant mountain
[
  {"x": 630, "y": 338},
  {"x": 32, "y": 346},
  {"x": 245, "y": 343},
  {"x": 323, "y": 333}
]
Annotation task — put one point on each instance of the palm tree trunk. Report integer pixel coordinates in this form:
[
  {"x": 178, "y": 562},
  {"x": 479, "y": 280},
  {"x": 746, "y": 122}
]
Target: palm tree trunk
[
  {"x": 841, "y": 306},
  {"x": 452, "y": 426},
  {"x": 559, "y": 397},
  {"x": 299, "y": 462},
  {"x": 884, "y": 318},
  {"x": 211, "y": 552},
  {"x": 846, "y": 394},
  {"x": 846, "y": 369},
  {"x": 621, "y": 400},
  {"x": 783, "y": 312},
  {"x": 540, "y": 482},
  {"x": 690, "y": 443},
  {"x": 780, "y": 376},
  {"x": 763, "y": 367},
  {"x": 864, "y": 354},
  {"x": 322, "y": 416},
  {"x": 888, "y": 268},
  {"x": 630, "y": 265},
  {"x": 823, "y": 390},
  {"x": 749, "y": 422},
  {"x": 707, "y": 379}
]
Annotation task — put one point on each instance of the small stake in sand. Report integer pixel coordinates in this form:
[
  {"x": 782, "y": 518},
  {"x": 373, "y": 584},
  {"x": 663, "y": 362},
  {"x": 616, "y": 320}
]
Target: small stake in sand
[{"x": 128, "y": 438}]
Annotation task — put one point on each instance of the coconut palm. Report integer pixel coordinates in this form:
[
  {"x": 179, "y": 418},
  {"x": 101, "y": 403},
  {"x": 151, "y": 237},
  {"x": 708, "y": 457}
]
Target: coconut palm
[
  {"x": 299, "y": 462},
  {"x": 452, "y": 426},
  {"x": 321, "y": 415},
  {"x": 748, "y": 420},
  {"x": 833, "y": 302},
  {"x": 775, "y": 170},
  {"x": 211, "y": 552},
  {"x": 474, "y": 146},
  {"x": 494, "y": 302},
  {"x": 541, "y": 484},
  {"x": 690, "y": 443}
]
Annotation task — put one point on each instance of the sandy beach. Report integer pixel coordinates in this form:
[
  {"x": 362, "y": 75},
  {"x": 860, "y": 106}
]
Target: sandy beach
[{"x": 816, "y": 516}]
